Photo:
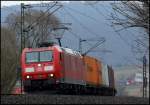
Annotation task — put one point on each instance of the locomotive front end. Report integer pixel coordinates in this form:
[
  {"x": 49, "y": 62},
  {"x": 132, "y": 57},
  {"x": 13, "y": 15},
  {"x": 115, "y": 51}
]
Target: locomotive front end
[{"x": 38, "y": 67}]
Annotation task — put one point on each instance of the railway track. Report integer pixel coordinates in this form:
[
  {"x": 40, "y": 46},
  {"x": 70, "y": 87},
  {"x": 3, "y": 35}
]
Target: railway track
[
  {"x": 47, "y": 96},
  {"x": 70, "y": 99},
  {"x": 47, "y": 91}
]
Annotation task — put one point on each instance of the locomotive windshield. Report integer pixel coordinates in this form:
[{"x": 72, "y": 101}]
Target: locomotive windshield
[
  {"x": 45, "y": 56},
  {"x": 31, "y": 57},
  {"x": 38, "y": 56}
]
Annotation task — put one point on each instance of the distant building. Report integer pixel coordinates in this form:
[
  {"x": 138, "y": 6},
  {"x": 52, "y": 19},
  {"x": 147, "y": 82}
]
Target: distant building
[
  {"x": 132, "y": 77},
  {"x": 139, "y": 77}
]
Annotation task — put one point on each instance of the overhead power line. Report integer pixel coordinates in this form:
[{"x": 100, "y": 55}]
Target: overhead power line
[
  {"x": 96, "y": 9},
  {"x": 100, "y": 41},
  {"x": 8, "y": 9},
  {"x": 36, "y": 21},
  {"x": 97, "y": 44},
  {"x": 86, "y": 28},
  {"x": 83, "y": 14},
  {"x": 74, "y": 34}
]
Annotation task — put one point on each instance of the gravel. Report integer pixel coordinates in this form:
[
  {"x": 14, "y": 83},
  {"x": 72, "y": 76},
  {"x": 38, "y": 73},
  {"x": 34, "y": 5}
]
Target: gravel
[{"x": 70, "y": 99}]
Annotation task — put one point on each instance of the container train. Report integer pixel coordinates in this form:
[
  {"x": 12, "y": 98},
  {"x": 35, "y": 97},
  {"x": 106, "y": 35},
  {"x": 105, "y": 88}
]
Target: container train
[{"x": 65, "y": 70}]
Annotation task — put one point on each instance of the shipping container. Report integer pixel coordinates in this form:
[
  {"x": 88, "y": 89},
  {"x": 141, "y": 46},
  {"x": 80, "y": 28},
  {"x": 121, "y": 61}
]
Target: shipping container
[
  {"x": 111, "y": 77},
  {"x": 105, "y": 78},
  {"x": 100, "y": 71},
  {"x": 93, "y": 70},
  {"x": 72, "y": 70}
]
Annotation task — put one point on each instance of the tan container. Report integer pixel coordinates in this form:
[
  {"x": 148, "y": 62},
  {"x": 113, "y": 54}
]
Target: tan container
[
  {"x": 93, "y": 73},
  {"x": 105, "y": 77}
]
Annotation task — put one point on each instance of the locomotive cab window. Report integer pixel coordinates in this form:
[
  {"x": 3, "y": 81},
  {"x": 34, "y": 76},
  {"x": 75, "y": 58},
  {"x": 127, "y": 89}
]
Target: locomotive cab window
[
  {"x": 39, "y": 56},
  {"x": 31, "y": 57},
  {"x": 45, "y": 56}
]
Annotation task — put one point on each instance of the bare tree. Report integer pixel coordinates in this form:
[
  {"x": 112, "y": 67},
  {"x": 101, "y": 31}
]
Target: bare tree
[
  {"x": 132, "y": 14},
  {"x": 39, "y": 32},
  {"x": 128, "y": 14}
]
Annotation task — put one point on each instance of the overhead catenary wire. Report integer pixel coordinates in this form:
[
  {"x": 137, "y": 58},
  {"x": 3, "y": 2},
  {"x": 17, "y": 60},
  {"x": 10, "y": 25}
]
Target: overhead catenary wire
[
  {"x": 47, "y": 16},
  {"x": 9, "y": 9},
  {"x": 99, "y": 12},
  {"x": 129, "y": 61},
  {"x": 74, "y": 34},
  {"x": 83, "y": 14},
  {"x": 86, "y": 28},
  {"x": 97, "y": 44},
  {"x": 36, "y": 21},
  {"x": 133, "y": 35},
  {"x": 96, "y": 9},
  {"x": 113, "y": 27},
  {"x": 129, "y": 45},
  {"x": 104, "y": 6}
]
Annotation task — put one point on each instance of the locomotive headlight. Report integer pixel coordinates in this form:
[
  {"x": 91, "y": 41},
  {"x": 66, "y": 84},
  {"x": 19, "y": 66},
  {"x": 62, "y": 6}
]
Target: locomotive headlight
[
  {"x": 31, "y": 69},
  {"x": 50, "y": 75},
  {"x": 48, "y": 68},
  {"x": 39, "y": 64},
  {"x": 28, "y": 76}
]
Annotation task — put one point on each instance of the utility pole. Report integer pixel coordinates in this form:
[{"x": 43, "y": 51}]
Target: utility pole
[
  {"x": 23, "y": 30},
  {"x": 80, "y": 40},
  {"x": 80, "y": 44},
  {"x": 62, "y": 28},
  {"x": 144, "y": 77},
  {"x": 59, "y": 40},
  {"x": 22, "y": 34},
  {"x": 22, "y": 12}
]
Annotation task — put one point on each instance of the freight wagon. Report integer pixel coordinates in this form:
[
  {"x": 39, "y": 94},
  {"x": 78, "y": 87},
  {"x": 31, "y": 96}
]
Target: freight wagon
[
  {"x": 99, "y": 77},
  {"x": 65, "y": 70}
]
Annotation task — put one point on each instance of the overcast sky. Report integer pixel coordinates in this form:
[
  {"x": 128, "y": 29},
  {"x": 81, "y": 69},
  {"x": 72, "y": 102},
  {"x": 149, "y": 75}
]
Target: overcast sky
[
  {"x": 10, "y": 3},
  {"x": 121, "y": 53}
]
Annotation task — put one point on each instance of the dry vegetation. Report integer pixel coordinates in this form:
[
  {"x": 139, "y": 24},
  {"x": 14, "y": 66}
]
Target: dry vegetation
[
  {"x": 38, "y": 26},
  {"x": 41, "y": 25},
  {"x": 133, "y": 14},
  {"x": 8, "y": 60}
]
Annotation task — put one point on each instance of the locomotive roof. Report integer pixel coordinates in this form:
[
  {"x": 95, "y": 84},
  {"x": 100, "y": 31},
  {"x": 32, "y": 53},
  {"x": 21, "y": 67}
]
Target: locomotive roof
[
  {"x": 70, "y": 51},
  {"x": 67, "y": 50}
]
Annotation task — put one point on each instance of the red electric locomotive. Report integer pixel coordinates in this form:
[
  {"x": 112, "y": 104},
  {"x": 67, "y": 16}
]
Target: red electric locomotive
[
  {"x": 45, "y": 65},
  {"x": 65, "y": 70}
]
